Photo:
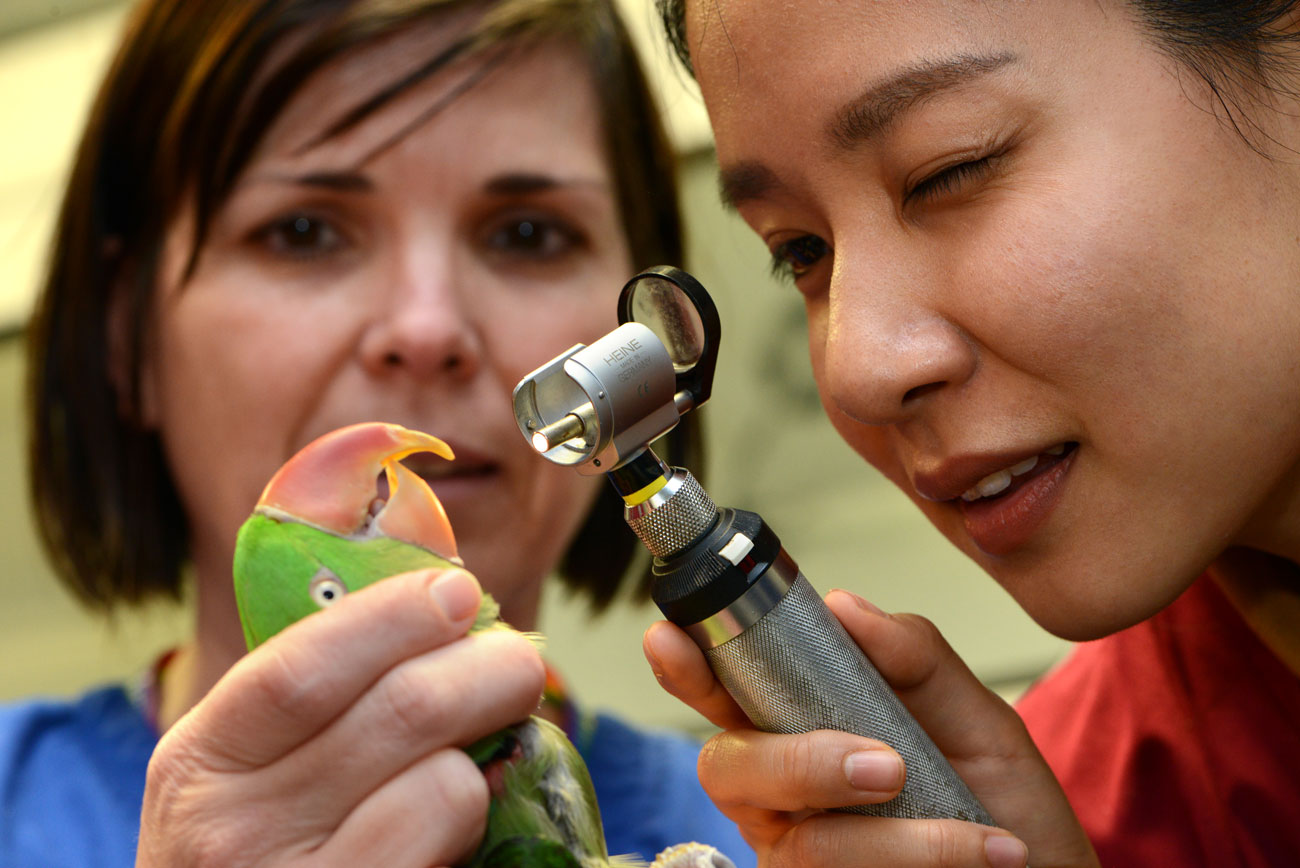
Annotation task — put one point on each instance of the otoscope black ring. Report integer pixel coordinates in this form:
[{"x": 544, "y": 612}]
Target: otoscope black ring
[{"x": 698, "y": 379}]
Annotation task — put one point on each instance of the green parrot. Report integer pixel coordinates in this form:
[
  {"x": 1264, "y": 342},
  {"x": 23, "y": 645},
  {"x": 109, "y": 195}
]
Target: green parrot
[{"x": 327, "y": 524}]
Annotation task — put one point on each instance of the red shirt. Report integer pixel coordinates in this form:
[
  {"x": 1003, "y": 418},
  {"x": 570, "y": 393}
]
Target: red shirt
[{"x": 1177, "y": 740}]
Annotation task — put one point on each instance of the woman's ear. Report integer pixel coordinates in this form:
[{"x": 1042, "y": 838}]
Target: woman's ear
[{"x": 130, "y": 367}]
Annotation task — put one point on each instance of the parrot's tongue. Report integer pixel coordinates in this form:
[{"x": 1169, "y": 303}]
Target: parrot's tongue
[
  {"x": 381, "y": 498},
  {"x": 381, "y": 494}
]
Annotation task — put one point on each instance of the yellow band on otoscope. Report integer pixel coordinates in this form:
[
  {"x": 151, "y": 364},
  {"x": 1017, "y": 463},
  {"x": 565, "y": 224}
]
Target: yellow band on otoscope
[{"x": 642, "y": 495}]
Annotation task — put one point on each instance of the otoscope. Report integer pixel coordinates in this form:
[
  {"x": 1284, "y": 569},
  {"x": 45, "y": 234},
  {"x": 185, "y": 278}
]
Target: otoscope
[{"x": 719, "y": 574}]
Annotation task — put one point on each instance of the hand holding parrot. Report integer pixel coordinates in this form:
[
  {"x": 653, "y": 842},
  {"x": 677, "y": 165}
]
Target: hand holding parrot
[{"x": 339, "y": 741}]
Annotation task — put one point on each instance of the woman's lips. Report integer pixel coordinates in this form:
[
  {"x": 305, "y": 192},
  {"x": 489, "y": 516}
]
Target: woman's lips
[
  {"x": 433, "y": 468},
  {"x": 1003, "y": 523},
  {"x": 463, "y": 477}
]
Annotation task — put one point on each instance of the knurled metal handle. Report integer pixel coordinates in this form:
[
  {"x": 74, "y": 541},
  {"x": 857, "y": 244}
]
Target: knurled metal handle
[
  {"x": 792, "y": 667},
  {"x": 797, "y": 669},
  {"x": 674, "y": 517}
]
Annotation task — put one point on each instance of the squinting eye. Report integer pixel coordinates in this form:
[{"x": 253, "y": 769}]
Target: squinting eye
[
  {"x": 326, "y": 589},
  {"x": 300, "y": 236},
  {"x": 533, "y": 238},
  {"x": 951, "y": 179},
  {"x": 793, "y": 259}
]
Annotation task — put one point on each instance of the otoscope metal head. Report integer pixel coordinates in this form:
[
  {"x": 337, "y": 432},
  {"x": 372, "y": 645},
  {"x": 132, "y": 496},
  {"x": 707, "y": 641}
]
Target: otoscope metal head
[
  {"x": 597, "y": 407},
  {"x": 594, "y": 406}
]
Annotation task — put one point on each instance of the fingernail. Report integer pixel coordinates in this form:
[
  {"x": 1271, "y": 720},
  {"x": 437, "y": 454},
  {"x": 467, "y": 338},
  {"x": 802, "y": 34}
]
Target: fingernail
[
  {"x": 874, "y": 771},
  {"x": 656, "y": 667},
  {"x": 457, "y": 594},
  {"x": 1004, "y": 851}
]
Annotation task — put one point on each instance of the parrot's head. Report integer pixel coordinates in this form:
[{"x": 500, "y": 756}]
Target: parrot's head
[{"x": 342, "y": 513}]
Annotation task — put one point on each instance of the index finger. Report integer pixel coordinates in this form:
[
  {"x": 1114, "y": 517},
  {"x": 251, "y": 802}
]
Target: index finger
[
  {"x": 679, "y": 666},
  {"x": 964, "y": 717},
  {"x": 290, "y": 688}
]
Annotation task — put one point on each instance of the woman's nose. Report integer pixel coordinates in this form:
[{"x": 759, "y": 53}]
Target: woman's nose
[
  {"x": 423, "y": 326},
  {"x": 888, "y": 351}
]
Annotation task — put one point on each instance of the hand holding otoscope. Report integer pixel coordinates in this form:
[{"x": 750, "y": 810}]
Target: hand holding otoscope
[{"x": 720, "y": 574}]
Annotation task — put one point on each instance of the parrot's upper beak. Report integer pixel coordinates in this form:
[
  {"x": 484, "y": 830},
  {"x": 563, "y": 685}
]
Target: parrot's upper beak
[{"x": 332, "y": 484}]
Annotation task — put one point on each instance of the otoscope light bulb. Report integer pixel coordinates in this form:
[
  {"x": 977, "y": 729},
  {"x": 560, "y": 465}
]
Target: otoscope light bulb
[{"x": 566, "y": 428}]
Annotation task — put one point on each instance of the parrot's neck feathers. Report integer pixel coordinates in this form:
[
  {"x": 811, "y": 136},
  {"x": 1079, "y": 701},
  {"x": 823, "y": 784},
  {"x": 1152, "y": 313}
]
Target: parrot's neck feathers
[
  {"x": 489, "y": 610},
  {"x": 489, "y": 617}
]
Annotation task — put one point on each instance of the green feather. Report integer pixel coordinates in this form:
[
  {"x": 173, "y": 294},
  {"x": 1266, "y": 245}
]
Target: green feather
[
  {"x": 534, "y": 852},
  {"x": 276, "y": 562},
  {"x": 541, "y": 790}
]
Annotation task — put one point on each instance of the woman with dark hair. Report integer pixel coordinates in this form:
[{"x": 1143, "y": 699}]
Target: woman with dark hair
[
  {"x": 284, "y": 217},
  {"x": 1048, "y": 253}
]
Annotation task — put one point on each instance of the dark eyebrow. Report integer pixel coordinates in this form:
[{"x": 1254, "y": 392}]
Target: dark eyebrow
[
  {"x": 745, "y": 181},
  {"x": 880, "y": 106},
  {"x": 523, "y": 183},
  {"x": 515, "y": 184},
  {"x": 868, "y": 115},
  {"x": 345, "y": 182}
]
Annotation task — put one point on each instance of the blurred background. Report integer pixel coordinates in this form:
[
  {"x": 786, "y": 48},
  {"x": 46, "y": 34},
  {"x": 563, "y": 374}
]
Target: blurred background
[{"x": 771, "y": 450}]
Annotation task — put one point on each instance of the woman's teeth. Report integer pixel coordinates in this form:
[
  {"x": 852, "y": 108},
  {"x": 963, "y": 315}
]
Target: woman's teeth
[{"x": 1000, "y": 481}]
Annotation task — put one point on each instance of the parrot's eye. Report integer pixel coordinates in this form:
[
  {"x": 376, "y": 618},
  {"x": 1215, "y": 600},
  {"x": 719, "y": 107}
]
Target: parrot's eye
[{"x": 326, "y": 589}]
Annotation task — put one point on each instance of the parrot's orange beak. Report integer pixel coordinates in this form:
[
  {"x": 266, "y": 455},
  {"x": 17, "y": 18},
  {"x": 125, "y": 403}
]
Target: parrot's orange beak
[{"x": 332, "y": 484}]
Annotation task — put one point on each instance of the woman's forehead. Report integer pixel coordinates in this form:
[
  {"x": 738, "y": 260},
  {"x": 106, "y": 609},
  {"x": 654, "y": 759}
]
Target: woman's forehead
[
  {"x": 533, "y": 107},
  {"x": 757, "y": 63},
  {"x": 770, "y": 38},
  {"x": 741, "y": 29},
  {"x": 513, "y": 87},
  {"x": 343, "y": 85}
]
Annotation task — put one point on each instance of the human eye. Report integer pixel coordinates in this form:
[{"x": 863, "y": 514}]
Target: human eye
[
  {"x": 533, "y": 237},
  {"x": 300, "y": 236},
  {"x": 793, "y": 259},
  {"x": 950, "y": 180}
]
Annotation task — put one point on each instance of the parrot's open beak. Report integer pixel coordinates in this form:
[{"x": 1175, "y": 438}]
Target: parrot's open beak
[{"x": 332, "y": 484}]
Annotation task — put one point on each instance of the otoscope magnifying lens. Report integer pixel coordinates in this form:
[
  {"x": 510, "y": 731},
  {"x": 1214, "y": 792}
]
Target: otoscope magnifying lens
[{"x": 666, "y": 310}]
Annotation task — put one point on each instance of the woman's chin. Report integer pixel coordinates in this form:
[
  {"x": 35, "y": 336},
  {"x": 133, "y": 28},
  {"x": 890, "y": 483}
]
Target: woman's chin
[{"x": 1088, "y": 610}]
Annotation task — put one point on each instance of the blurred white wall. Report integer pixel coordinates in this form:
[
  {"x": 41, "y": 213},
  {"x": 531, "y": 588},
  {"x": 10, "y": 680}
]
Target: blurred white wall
[
  {"x": 46, "y": 82},
  {"x": 771, "y": 449}
]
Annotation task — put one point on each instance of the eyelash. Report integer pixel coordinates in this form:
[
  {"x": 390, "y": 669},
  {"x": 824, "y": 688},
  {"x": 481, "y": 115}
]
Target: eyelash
[
  {"x": 794, "y": 258},
  {"x": 282, "y": 236},
  {"x": 950, "y": 179},
  {"x": 547, "y": 238}
]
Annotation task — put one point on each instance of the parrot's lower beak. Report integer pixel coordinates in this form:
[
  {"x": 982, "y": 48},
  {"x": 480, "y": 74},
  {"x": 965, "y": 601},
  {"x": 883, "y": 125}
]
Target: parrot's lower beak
[{"x": 332, "y": 484}]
